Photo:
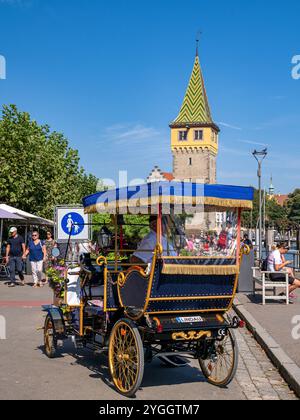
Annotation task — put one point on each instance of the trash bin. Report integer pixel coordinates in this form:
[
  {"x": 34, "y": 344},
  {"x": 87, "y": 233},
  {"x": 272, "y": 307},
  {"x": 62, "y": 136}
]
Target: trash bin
[{"x": 246, "y": 274}]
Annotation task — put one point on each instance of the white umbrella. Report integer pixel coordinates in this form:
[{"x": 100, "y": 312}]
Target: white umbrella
[{"x": 6, "y": 215}]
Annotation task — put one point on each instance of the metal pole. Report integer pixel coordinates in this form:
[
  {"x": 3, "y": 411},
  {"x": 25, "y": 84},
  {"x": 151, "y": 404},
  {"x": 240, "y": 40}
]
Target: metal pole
[
  {"x": 1, "y": 235},
  {"x": 265, "y": 210},
  {"x": 260, "y": 156},
  {"x": 260, "y": 212}
]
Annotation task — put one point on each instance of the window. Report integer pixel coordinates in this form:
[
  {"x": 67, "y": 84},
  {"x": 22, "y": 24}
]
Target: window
[
  {"x": 183, "y": 135},
  {"x": 191, "y": 161},
  {"x": 198, "y": 134}
]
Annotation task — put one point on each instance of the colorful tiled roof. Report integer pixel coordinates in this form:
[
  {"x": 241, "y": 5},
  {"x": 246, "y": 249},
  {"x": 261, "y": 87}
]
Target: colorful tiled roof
[{"x": 195, "y": 107}]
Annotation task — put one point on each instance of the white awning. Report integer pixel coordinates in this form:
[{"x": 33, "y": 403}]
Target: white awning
[{"x": 29, "y": 218}]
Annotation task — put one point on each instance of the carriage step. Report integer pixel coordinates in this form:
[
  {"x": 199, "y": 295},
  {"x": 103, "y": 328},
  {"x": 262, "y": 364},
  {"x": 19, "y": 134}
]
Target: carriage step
[
  {"x": 101, "y": 351},
  {"x": 78, "y": 344}
]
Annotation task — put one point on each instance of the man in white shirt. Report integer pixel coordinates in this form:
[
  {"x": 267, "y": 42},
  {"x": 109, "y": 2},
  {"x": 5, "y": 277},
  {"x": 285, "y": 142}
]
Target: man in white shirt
[
  {"x": 278, "y": 265},
  {"x": 144, "y": 253}
]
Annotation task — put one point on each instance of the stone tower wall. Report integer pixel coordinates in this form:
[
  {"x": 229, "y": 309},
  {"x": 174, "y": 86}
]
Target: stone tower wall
[{"x": 195, "y": 164}]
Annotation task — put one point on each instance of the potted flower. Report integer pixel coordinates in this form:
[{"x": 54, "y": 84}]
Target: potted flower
[{"x": 56, "y": 276}]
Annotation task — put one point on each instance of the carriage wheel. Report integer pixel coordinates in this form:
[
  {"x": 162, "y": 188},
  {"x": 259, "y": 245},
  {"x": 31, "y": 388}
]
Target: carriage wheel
[
  {"x": 126, "y": 358},
  {"x": 220, "y": 370},
  {"x": 49, "y": 339}
]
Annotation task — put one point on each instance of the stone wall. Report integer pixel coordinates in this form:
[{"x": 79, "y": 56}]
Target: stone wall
[{"x": 195, "y": 164}]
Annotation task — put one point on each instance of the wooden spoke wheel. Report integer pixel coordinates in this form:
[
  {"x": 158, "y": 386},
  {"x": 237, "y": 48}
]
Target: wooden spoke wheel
[
  {"x": 221, "y": 367},
  {"x": 126, "y": 357},
  {"x": 50, "y": 342}
]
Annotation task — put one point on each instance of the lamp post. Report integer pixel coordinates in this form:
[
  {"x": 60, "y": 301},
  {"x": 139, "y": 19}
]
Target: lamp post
[{"x": 260, "y": 157}]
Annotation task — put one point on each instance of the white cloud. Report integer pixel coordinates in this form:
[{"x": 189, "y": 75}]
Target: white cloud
[
  {"x": 233, "y": 127},
  {"x": 130, "y": 133},
  {"x": 254, "y": 143}
]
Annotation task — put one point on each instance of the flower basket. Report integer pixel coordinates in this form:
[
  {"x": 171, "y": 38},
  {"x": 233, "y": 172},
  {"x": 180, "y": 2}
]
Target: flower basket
[{"x": 56, "y": 277}]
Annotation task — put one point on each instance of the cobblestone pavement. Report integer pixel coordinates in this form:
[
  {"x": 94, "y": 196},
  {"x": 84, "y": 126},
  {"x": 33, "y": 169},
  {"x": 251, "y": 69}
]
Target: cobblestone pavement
[
  {"x": 257, "y": 376},
  {"x": 27, "y": 373}
]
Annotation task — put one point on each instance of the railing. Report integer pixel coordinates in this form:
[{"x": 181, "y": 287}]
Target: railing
[{"x": 292, "y": 255}]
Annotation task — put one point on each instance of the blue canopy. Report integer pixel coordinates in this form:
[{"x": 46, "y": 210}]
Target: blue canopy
[{"x": 139, "y": 199}]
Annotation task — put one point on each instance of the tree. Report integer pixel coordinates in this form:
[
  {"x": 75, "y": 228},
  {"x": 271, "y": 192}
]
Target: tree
[
  {"x": 38, "y": 169},
  {"x": 135, "y": 226},
  {"x": 294, "y": 206},
  {"x": 275, "y": 214}
]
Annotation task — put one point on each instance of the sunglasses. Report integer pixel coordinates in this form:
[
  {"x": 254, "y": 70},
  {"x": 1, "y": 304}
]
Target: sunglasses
[{"x": 34, "y": 236}]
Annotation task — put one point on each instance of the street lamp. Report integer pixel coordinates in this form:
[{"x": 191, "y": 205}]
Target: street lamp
[
  {"x": 104, "y": 238},
  {"x": 260, "y": 157}
]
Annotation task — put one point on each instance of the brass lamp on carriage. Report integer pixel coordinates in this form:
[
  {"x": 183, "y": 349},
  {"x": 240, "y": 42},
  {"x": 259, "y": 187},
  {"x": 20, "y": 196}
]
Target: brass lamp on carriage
[{"x": 104, "y": 238}]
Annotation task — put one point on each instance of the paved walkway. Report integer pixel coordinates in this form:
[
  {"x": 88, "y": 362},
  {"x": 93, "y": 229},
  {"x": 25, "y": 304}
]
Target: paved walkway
[
  {"x": 278, "y": 320},
  {"x": 26, "y": 373}
]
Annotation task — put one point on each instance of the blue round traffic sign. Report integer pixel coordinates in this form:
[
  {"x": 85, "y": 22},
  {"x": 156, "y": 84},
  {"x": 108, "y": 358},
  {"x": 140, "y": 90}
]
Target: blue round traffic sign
[{"x": 72, "y": 224}]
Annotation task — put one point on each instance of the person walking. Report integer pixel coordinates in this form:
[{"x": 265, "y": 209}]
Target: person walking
[
  {"x": 14, "y": 251},
  {"x": 37, "y": 256},
  {"x": 50, "y": 244}
]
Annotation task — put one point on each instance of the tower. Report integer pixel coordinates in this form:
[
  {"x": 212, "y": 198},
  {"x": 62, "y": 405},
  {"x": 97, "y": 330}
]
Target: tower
[
  {"x": 194, "y": 135},
  {"x": 271, "y": 188}
]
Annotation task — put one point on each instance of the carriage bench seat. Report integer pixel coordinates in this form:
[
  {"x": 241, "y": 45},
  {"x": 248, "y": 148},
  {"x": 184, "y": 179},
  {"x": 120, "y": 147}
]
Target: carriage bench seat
[
  {"x": 263, "y": 278},
  {"x": 94, "y": 307}
]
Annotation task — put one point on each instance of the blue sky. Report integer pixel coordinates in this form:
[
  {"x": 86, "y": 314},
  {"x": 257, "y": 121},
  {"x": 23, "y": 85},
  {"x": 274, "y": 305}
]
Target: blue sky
[{"x": 111, "y": 75}]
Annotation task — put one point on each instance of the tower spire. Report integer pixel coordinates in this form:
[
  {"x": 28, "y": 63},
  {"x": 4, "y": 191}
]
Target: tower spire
[
  {"x": 195, "y": 107},
  {"x": 194, "y": 135}
]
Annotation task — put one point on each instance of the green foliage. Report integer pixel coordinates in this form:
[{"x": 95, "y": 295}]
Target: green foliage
[
  {"x": 294, "y": 206},
  {"x": 38, "y": 169},
  {"x": 275, "y": 214},
  {"x": 138, "y": 225},
  {"x": 136, "y": 230},
  {"x": 56, "y": 280}
]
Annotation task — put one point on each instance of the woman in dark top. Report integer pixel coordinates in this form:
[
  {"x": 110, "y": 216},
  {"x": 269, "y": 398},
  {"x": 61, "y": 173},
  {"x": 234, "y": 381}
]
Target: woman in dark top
[{"x": 50, "y": 244}]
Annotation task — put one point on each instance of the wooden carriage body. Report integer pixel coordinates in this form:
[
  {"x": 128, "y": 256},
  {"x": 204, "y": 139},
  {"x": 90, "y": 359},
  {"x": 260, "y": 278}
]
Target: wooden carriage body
[
  {"x": 170, "y": 307},
  {"x": 173, "y": 285}
]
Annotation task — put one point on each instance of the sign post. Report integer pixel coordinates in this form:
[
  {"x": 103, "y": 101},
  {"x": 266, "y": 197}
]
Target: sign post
[{"x": 72, "y": 225}]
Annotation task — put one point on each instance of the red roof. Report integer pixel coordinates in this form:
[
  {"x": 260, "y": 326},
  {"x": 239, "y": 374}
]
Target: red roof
[
  {"x": 168, "y": 176},
  {"x": 281, "y": 199}
]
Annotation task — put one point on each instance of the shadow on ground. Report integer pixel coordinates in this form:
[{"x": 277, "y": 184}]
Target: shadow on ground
[{"x": 156, "y": 373}]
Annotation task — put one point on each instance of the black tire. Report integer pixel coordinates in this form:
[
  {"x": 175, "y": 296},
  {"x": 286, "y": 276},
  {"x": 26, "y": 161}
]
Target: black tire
[
  {"x": 227, "y": 357},
  {"x": 126, "y": 358},
  {"x": 50, "y": 342}
]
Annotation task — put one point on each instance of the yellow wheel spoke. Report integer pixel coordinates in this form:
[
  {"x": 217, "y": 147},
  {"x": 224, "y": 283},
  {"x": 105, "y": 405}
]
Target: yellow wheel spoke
[{"x": 124, "y": 357}]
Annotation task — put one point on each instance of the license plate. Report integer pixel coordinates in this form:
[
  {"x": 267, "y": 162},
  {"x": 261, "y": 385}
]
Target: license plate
[{"x": 190, "y": 320}]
